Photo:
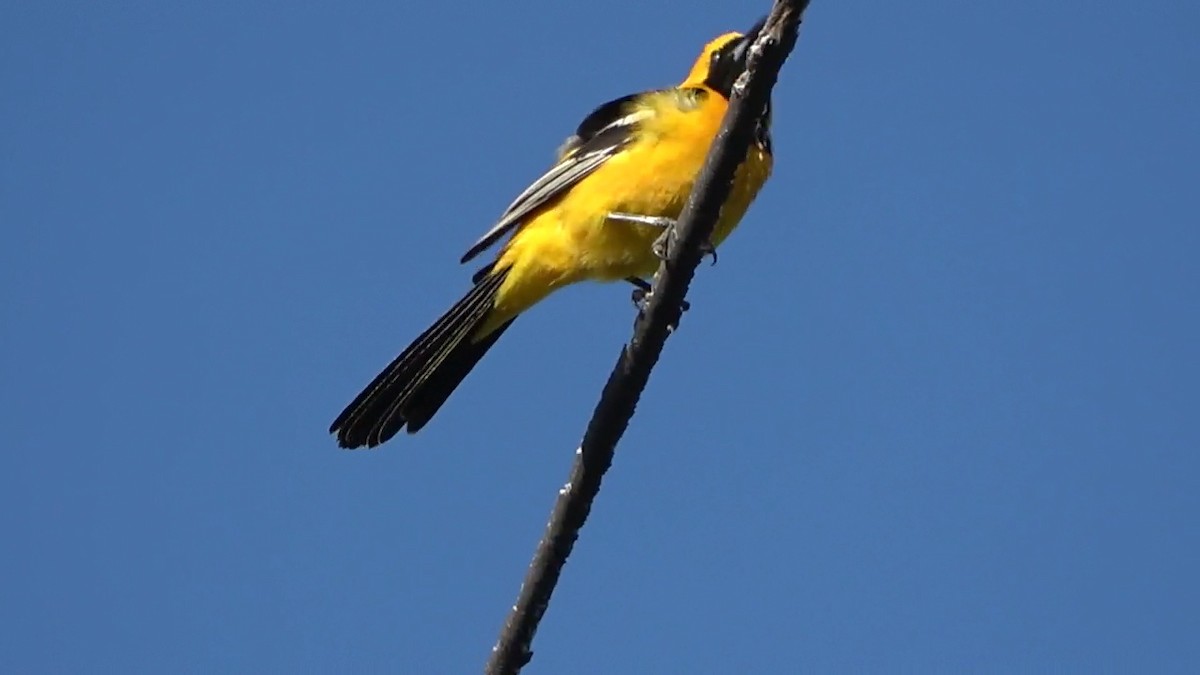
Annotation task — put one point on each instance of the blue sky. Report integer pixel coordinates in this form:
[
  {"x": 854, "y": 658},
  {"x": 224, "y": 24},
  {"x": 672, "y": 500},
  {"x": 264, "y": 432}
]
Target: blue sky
[{"x": 934, "y": 410}]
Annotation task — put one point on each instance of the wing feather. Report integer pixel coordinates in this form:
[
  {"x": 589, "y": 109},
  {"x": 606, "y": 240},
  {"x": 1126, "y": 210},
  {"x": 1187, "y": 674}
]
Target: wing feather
[{"x": 602, "y": 134}]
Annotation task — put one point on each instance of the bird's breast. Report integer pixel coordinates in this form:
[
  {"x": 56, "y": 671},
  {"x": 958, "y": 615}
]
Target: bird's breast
[{"x": 653, "y": 176}]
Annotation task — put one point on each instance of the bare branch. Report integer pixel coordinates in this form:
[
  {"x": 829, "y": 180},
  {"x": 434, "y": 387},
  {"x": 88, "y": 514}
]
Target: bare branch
[{"x": 632, "y": 371}]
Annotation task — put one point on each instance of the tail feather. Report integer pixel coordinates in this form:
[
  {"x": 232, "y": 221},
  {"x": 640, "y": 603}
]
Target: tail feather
[
  {"x": 451, "y": 371},
  {"x": 418, "y": 381}
]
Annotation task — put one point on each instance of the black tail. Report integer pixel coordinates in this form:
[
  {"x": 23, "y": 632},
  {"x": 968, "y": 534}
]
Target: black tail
[{"x": 412, "y": 388}]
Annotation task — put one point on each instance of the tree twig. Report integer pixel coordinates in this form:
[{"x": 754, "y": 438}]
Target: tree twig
[{"x": 632, "y": 371}]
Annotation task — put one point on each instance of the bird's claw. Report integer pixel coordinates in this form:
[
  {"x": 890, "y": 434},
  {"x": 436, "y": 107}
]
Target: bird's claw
[
  {"x": 641, "y": 300},
  {"x": 665, "y": 241},
  {"x": 662, "y": 245}
]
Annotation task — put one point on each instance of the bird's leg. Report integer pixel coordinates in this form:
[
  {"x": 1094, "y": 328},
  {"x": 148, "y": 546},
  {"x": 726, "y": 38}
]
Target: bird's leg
[
  {"x": 662, "y": 245},
  {"x": 653, "y": 221}
]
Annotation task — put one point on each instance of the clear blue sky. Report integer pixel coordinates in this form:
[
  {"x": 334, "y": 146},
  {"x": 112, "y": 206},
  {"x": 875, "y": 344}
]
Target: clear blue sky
[{"x": 934, "y": 410}]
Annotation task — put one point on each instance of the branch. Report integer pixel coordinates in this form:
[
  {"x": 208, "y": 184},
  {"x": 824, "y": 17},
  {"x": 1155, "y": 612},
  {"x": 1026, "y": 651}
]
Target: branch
[{"x": 664, "y": 309}]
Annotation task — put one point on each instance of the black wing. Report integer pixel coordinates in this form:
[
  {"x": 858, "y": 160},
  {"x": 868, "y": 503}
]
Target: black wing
[{"x": 602, "y": 134}]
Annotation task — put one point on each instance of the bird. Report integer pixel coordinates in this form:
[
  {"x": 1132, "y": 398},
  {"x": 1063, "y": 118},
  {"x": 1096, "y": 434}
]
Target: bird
[{"x": 617, "y": 186}]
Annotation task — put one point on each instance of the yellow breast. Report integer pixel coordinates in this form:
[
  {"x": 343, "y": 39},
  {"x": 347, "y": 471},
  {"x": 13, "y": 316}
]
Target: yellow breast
[{"x": 573, "y": 241}]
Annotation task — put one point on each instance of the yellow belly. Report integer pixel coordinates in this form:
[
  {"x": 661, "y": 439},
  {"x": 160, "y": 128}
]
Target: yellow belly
[{"x": 573, "y": 240}]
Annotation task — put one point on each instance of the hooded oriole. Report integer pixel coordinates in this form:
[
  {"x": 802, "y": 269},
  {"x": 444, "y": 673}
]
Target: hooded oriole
[{"x": 594, "y": 215}]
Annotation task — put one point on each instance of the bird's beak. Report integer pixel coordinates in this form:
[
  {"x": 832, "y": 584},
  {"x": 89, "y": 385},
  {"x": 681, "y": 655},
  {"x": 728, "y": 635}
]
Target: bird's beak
[{"x": 742, "y": 50}]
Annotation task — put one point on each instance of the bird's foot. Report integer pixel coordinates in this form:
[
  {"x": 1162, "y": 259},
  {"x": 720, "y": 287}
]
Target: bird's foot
[
  {"x": 641, "y": 298},
  {"x": 662, "y": 245}
]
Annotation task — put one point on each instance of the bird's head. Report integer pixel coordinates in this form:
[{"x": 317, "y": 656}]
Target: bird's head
[{"x": 723, "y": 60}]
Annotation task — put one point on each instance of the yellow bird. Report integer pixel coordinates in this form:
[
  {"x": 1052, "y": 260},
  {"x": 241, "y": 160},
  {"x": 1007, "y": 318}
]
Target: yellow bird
[{"x": 595, "y": 215}]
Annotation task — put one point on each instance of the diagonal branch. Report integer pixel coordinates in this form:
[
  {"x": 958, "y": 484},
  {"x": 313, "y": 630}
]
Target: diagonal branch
[{"x": 632, "y": 371}]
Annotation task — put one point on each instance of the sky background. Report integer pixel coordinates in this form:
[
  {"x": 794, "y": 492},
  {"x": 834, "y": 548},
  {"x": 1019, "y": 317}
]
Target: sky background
[{"x": 934, "y": 410}]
